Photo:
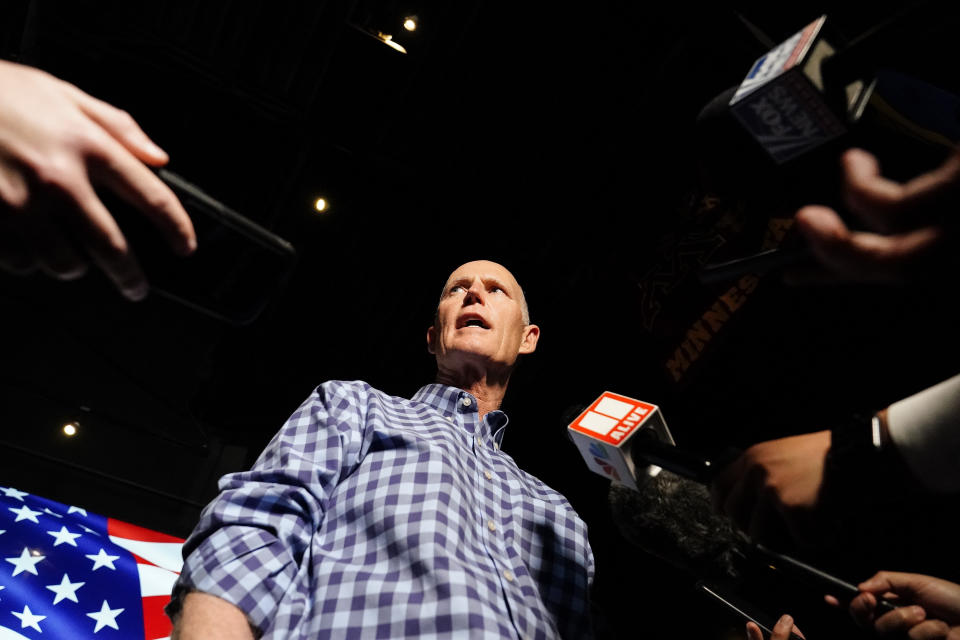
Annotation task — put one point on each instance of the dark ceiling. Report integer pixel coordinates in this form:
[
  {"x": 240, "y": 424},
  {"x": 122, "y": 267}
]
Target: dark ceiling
[{"x": 556, "y": 138}]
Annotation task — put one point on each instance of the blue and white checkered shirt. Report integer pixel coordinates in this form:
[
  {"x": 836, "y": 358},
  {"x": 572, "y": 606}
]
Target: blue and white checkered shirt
[{"x": 371, "y": 516}]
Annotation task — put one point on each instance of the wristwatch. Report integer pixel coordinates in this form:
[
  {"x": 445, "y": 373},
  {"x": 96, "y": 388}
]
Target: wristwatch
[
  {"x": 862, "y": 459},
  {"x": 858, "y": 454}
]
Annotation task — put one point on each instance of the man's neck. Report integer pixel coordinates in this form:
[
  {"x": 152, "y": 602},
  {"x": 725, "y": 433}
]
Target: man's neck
[{"x": 486, "y": 386}]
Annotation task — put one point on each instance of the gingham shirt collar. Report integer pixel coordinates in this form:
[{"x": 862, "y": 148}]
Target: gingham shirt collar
[{"x": 451, "y": 402}]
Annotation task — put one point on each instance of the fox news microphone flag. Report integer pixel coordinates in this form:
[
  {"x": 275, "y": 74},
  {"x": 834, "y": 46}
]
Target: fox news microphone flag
[{"x": 67, "y": 573}]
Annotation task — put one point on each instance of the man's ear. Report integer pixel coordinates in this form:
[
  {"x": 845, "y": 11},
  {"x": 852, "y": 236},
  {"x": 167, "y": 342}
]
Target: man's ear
[
  {"x": 531, "y": 333},
  {"x": 431, "y": 338}
]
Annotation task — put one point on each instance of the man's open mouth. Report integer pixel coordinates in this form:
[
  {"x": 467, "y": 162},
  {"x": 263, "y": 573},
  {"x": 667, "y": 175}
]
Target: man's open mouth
[{"x": 472, "y": 321}]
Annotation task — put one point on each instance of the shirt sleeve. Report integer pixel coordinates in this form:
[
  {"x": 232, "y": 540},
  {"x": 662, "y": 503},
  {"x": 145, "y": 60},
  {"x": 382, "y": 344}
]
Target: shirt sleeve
[
  {"x": 926, "y": 431},
  {"x": 250, "y": 545}
]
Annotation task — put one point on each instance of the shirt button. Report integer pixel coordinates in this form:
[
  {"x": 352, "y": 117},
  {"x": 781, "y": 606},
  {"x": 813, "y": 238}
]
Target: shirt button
[
  {"x": 466, "y": 402},
  {"x": 479, "y": 442},
  {"x": 449, "y": 418},
  {"x": 508, "y": 575},
  {"x": 488, "y": 475},
  {"x": 491, "y": 525}
]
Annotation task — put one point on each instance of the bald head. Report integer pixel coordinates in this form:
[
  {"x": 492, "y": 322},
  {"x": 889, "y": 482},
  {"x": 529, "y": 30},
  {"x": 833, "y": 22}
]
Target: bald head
[
  {"x": 482, "y": 321},
  {"x": 492, "y": 267}
]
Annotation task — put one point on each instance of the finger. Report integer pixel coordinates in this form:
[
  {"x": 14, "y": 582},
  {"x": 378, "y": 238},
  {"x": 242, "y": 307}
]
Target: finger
[
  {"x": 781, "y": 630},
  {"x": 879, "y": 201},
  {"x": 828, "y": 238},
  {"x": 120, "y": 125},
  {"x": 899, "y": 620},
  {"x": 861, "y": 255},
  {"x": 14, "y": 190},
  {"x": 894, "y": 584},
  {"x": 137, "y": 185},
  {"x": 106, "y": 245},
  {"x": 831, "y": 600},
  {"x": 753, "y": 631},
  {"x": 863, "y": 609},
  {"x": 929, "y": 630}
]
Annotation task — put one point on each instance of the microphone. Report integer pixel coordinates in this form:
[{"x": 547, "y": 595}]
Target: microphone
[
  {"x": 784, "y": 103},
  {"x": 627, "y": 440},
  {"x": 671, "y": 517},
  {"x": 816, "y": 93}
]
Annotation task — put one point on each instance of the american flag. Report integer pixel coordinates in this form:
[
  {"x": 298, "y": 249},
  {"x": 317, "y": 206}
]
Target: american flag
[{"x": 66, "y": 573}]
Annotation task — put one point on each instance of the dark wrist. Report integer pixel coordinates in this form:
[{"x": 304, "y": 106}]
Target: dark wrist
[
  {"x": 857, "y": 456},
  {"x": 863, "y": 462}
]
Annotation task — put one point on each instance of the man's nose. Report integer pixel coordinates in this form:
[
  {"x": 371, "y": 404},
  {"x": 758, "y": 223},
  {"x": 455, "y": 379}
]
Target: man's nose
[{"x": 475, "y": 294}]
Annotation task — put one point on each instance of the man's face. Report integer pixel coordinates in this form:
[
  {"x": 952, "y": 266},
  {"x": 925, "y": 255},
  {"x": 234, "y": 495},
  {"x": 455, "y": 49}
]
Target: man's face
[{"x": 480, "y": 318}]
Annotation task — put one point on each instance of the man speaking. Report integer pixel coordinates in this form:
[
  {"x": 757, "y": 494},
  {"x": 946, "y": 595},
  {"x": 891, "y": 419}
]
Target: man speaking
[{"x": 371, "y": 516}]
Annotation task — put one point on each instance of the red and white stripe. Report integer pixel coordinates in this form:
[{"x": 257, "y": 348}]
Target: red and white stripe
[{"x": 159, "y": 562}]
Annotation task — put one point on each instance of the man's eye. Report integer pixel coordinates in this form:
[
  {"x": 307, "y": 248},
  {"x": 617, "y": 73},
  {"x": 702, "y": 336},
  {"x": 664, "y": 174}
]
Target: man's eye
[
  {"x": 493, "y": 289},
  {"x": 455, "y": 288}
]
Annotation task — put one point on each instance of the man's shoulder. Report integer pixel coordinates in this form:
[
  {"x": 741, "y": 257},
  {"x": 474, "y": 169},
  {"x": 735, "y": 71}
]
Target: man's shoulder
[
  {"x": 542, "y": 490},
  {"x": 357, "y": 391}
]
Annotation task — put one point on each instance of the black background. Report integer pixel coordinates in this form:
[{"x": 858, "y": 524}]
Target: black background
[{"x": 555, "y": 138}]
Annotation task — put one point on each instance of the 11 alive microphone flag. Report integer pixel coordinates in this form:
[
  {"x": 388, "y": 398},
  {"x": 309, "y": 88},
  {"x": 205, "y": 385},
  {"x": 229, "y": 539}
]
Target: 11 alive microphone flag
[
  {"x": 67, "y": 573},
  {"x": 603, "y": 431}
]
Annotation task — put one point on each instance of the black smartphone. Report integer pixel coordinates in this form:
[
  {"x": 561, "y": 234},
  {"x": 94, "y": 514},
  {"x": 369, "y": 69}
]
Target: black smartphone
[
  {"x": 238, "y": 266},
  {"x": 746, "y": 612},
  {"x": 816, "y": 578}
]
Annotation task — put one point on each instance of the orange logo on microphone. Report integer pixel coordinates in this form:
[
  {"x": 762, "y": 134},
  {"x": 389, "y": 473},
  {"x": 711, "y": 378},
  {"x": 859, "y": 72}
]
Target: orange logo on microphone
[{"x": 612, "y": 417}]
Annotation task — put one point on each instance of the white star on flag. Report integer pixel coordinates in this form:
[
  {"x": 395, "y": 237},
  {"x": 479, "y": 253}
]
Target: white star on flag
[
  {"x": 13, "y": 493},
  {"x": 26, "y": 562},
  {"x": 28, "y": 619},
  {"x": 102, "y": 559},
  {"x": 64, "y": 536},
  {"x": 26, "y": 513},
  {"x": 88, "y": 530},
  {"x": 51, "y": 513},
  {"x": 106, "y": 617},
  {"x": 66, "y": 590},
  {"x": 82, "y": 512}
]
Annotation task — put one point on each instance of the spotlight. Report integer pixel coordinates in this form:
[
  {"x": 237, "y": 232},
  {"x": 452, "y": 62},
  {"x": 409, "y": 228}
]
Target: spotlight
[
  {"x": 70, "y": 429},
  {"x": 410, "y": 23},
  {"x": 387, "y": 39},
  {"x": 321, "y": 205}
]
